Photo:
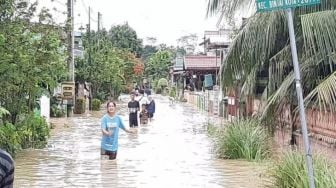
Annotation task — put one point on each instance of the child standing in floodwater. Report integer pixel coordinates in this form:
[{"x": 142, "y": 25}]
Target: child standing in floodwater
[{"x": 143, "y": 115}]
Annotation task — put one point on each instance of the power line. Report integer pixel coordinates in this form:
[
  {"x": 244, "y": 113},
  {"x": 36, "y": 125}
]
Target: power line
[
  {"x": 59, "y": 2},
  {"x": 87, "y": 11}
]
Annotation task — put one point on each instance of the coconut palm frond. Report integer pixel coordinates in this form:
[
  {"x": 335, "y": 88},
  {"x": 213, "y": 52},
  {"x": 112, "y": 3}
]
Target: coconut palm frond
[
  {"x": 324, "y": 5},
  {"x": 228, "y": 6},
  {"x": 324, "y": 95},
  {"x": 280, "y": 94},
  {"x": 319, "y": 32},
  {"x": 250, "y": 83},
  {"x": 277, "y": 73},
  {"x": 277, "y": 67},
  {"x": 283, "y": 91},
  {"x": 256, "y": 42},
  {"x": 214, "y": 6}
]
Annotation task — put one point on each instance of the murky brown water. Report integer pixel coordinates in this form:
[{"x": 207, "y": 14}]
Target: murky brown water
[{"x": 174, "y": 151}]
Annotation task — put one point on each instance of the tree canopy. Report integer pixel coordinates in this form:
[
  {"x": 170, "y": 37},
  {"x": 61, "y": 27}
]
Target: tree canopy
[
  {"x": 31, "y": 55},
  {"x": 124, "y": 37}
]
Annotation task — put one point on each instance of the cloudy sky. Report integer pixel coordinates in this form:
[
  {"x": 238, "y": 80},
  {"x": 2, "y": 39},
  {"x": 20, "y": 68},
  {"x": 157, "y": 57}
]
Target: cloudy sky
[{"x": 166, "y": 20}]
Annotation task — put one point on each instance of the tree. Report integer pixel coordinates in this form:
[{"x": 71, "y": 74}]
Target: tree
[
  {"x": 31, "y": 56},
  {"x": 108, "y": 68},
  {"x": 148, "y": 51},
  {"x": 262, "y": 45},
  {"x": 158, "y": 65},
  {"x": 124, "y": 37},
  {"x": 188, "y": 43},
  {"x": 151, "y": 40}
]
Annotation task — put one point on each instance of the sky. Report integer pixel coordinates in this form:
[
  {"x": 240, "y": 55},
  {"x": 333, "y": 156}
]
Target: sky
[{"x": 166, "y": 20}]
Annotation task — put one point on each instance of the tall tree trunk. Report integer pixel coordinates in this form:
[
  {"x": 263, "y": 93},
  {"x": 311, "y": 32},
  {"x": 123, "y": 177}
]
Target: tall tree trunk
[
  {"x": 30, "y": 103},
  {"x": 13, "y": 118}
]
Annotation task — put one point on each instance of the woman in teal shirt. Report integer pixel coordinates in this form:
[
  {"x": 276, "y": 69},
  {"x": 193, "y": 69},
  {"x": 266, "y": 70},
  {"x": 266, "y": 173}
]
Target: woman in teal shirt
[{"x": 110, "y": 124}]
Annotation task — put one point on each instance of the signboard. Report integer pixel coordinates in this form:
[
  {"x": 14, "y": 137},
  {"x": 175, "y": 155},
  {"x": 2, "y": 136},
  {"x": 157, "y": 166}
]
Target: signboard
[
  {"x": 268, "y": 5},
  {"x": 68, "y": 90}
]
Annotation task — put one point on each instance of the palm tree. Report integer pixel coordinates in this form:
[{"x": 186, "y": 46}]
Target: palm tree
[{"x": 262, "y": 45}]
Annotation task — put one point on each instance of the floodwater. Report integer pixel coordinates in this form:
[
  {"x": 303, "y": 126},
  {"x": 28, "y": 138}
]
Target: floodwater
[{"x": 173, "y": 151}]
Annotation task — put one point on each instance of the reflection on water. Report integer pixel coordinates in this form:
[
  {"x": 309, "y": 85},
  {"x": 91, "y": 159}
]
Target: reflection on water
[{"x": 173, "y": 151}]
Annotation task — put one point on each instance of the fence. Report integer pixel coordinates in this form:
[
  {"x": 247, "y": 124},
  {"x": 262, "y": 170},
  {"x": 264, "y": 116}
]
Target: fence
[{"x": 321, "y": 125}]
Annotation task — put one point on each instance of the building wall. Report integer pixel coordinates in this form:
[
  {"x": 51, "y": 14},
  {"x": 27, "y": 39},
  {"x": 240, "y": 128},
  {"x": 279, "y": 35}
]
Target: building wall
[{"x": 321, "y": 127}]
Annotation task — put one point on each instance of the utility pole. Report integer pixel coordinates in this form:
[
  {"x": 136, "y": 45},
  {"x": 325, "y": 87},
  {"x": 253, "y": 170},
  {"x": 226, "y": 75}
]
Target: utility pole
[
  {"x": 89, "y": 60},
  {"x": 99, "y": 20},
  {"x": 70, "y": 27},
  {"x": 98, "y": 29},
  {"x": 70, "y": 102},
  {"x": 89, "y": 35}
]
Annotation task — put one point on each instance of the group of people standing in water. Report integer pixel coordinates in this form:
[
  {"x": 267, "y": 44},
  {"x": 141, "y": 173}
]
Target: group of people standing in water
[{"x": 111, "y": 122}]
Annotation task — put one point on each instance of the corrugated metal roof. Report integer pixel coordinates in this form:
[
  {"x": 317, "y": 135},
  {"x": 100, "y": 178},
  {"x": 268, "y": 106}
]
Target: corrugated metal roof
[{"x": 201, "y": 62}]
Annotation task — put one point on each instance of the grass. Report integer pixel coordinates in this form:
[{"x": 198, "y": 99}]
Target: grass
[
  {"x": 211, "y": 129},
  {"x": 291, "y": 171},
  {"x": 243, "y": 139},
  {"x": 248, "y": 140}
]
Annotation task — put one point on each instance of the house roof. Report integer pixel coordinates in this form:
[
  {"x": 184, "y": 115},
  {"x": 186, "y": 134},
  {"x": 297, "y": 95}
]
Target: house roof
[{"x": 201, "y": 62}]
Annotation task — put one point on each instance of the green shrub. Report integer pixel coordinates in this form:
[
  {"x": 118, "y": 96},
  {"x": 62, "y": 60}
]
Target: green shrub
[
  {"x": 162, "y": 83},
  {"x": 102, "y": 95},
  {"x": 79, "y": 106},
  {"x": 56, "y": 111},
  {"x": 96, "y": 103},
  {"x": 155, "y": 83},
  {"x": 33, "y": 132},
  {"x": 172, "y": 92},
  {"x": 165, "y": 91},
  {"x": 211, "y": 129},
  {"x": 9, "y": 138},
  {"x": 291, "y": 171},
  {"x": 244, "y": 139}
]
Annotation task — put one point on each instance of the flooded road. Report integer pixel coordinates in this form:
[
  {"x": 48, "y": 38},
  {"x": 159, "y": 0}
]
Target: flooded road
[{"x": 173, "y": 151}]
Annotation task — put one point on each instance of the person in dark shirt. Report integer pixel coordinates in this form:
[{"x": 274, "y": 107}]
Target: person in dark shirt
[
  {"x": 151, "y": 108},
  {"x": 133, "y": 108},
  {"x": 6, "y": 170},
  {"x": 148, "y": 91}
]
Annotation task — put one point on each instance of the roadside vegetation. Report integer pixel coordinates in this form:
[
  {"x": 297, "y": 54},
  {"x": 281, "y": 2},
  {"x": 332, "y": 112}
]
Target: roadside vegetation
[
  {"x": 242, "y": 139},
  {"x": 291, "y": 171},
  {"x": 247, "y": 139}
]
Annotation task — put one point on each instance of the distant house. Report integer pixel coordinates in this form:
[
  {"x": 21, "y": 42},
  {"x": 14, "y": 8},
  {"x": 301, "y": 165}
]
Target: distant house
[
  {"x": 194, "y": 68},
  {"x": 215, "y": 42},
  {"x": 197, "y": 66}
]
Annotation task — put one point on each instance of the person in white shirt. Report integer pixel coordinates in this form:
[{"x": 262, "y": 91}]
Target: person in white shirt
[{"x": 142, "y": 99}]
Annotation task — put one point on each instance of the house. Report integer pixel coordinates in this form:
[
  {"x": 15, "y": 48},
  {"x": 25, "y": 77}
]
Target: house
[
  {"x": 216, "y": 42},
  {"x": 193, "y": 68},
  {"x": 197, "y": 66}
]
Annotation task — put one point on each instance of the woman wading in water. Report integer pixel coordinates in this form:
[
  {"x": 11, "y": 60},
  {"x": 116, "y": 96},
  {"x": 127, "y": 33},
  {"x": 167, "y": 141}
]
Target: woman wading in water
[{"x": 110, "y": 125}]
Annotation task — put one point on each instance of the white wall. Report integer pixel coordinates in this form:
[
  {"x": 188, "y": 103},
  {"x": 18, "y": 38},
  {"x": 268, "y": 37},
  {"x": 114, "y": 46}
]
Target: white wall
[{"x": 45, "y": 107}]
